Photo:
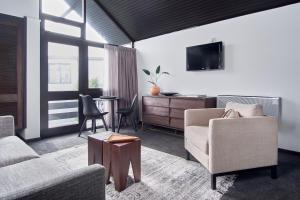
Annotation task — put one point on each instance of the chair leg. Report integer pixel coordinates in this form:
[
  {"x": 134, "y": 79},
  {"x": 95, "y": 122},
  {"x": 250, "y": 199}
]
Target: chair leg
[
  {"x": 274, "y": 172},
  {"x": 213, "y": 181},
  {"x": 94, "y": 125},
  {"x": 132, "y": 123},
  {"x": 82, "y": 126},
  {"x": 120, "y": 123},
  {"x": 125, "y": 119},
  {"x": 104, "y": 123}
]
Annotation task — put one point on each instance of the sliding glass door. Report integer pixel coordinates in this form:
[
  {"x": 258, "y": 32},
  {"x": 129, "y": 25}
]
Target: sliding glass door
[
  {"x": 63, "y": 76},
  {"x": 69, "y": 68}
]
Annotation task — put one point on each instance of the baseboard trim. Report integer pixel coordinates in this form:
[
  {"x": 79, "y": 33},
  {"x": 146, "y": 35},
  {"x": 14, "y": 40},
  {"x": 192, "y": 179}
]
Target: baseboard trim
[
  {"x": 289, "y": 151},
  {"x": 31, "y": 140}
]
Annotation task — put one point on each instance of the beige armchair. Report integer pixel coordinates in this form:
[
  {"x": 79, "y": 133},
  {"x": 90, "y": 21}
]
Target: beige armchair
[{"x": 225, "y": 146}]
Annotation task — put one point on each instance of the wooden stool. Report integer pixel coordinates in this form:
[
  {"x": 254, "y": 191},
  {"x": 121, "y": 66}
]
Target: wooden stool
[{"x": 116, "y": 158}]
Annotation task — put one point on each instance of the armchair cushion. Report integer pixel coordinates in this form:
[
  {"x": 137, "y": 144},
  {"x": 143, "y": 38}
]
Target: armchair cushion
[
  {"x": 245, "y": 110},
  {"x": 198, "y": 137}
]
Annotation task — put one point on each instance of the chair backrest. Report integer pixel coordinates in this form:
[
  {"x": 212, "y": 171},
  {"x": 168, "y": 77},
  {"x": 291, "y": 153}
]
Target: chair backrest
[
  {"x": 133, "y": 103},
  {"x": 89, "y": 106}
]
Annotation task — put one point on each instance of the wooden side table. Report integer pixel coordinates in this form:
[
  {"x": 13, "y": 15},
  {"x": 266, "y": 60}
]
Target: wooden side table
[{"x": 116, "y": 158}]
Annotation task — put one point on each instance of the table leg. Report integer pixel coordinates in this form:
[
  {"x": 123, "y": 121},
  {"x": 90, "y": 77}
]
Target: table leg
[
  {"x": 112, "y": 104},
  {"x": 120, "y": 168},
  {"x": 135, "y": 158},
  {"x": 94, "y": 152},
  {"x": 107, "y": 162}
]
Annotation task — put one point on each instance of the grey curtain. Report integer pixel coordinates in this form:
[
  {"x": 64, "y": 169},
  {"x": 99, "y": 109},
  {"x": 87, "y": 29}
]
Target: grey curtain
[{"x": 121, "y": 74}]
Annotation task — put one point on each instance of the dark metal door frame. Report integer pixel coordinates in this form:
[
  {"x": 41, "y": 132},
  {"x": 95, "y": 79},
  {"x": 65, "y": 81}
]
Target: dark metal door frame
[{"x": 46, "y": 96}]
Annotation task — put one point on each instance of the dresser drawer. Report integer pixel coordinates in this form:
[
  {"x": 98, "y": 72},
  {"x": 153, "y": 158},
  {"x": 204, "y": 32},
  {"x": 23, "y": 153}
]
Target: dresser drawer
[
  {"x": 177, "y": 113},
  {"x": 153, "y": 110},
  {"x": 156, "y": 101},
  {"x": 186, "y": 103},
  {"x": 154, "y": 119},
  {"x": 177, "y": 123}
]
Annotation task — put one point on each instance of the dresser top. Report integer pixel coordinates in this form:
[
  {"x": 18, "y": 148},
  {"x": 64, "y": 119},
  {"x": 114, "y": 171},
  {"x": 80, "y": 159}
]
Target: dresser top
[{"x": 181, "y": 97}]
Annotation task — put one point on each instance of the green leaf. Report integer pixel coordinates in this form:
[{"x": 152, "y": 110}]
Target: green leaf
[
  {"x": 158, "y": 69},
  {"x": 146, "y": 72},
  {"x": 152, "y": 82},
  {"x": 167, "y": 73}
]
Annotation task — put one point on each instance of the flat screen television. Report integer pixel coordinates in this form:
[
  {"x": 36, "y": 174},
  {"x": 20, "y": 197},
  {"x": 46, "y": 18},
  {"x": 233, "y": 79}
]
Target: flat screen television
[{"x": 205, "y": 57}]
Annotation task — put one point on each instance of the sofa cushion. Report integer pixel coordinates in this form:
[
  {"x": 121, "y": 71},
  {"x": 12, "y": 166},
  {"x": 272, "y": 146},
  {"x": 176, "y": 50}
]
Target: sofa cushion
[
  {"x": 198, "y": 137},
  {"x": 36, "y": 178},
  {"x": 13, "y": 150},
  {"x": 29, "y": 173},
  {"x": 245, "y": 110}
]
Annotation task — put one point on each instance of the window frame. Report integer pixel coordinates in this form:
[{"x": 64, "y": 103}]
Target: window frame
[{"x": 83, "y": 44}]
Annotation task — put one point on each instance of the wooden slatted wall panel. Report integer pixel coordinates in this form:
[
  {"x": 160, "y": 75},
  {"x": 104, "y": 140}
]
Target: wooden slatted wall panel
[{"x": 12, "y": 68}]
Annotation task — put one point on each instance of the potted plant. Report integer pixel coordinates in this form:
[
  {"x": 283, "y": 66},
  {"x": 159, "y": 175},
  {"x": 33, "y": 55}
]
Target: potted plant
[{"x": 154, "y": 77}]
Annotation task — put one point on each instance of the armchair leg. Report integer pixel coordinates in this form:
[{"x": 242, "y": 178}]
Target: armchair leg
[
  {"x": 213, "y": 181},
  {"x": 187, "y": 155},
  {"x": 274, "y": 172}
]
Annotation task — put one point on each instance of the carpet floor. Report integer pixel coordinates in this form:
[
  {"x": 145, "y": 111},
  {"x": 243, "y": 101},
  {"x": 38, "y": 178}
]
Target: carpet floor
[
  {"x": 164, "y": 176},
  {"x": 250, "y": 185}
]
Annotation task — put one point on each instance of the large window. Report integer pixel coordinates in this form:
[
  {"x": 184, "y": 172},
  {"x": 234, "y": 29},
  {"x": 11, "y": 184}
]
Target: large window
[
  {"x": 96, "y": 67},
  {"x": 73, "y": 34},
  {"x": 62, "y": 113},
  {"x": 68, "y": 9},
  {"x": 63, "y": 66},
  {"x": 62, "y": 28}
]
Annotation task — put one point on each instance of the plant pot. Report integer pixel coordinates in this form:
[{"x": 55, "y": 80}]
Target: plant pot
[{"x": 154, "y": 90}]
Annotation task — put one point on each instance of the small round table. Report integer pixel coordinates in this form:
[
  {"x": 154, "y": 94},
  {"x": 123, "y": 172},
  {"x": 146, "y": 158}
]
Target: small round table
[{"x": 112, "y": 100}]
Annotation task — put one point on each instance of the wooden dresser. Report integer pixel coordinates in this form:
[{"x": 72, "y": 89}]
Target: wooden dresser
[{"x": 169, "y": 111}]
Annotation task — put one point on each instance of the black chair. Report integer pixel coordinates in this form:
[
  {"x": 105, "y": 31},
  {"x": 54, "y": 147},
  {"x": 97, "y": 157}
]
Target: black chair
[
  {"x": 128, "y": 112},
  {"x": 90, "y": 111}
]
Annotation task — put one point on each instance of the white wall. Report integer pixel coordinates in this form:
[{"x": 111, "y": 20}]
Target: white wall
[
  {"x": 29, "y": 9},
  {"x": 262, "y": 57}
]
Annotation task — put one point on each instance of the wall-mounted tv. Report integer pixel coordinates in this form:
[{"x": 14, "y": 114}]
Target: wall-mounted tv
[{"x": 205, "y": 57}]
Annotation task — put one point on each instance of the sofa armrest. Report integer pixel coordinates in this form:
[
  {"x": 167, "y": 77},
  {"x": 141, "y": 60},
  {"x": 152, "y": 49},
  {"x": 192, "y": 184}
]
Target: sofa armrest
[
  {"x": 201, "y": 117},
  {"x": 86, "y": 183},
  {"x": 243, "y": 143},
  {"x": 7, "y": 126}
]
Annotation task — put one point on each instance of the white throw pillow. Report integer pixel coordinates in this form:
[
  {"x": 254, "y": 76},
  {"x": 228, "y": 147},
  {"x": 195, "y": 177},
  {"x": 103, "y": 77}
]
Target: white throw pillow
[{"x": 245, "y": 110}]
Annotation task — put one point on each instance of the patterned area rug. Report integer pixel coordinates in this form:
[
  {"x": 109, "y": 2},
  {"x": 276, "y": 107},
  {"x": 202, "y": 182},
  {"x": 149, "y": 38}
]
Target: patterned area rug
[{"x": 164, "y": 177}]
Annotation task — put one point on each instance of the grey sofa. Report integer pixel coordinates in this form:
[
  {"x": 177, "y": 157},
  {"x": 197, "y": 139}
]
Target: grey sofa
[{"x": 26, "y": 175}]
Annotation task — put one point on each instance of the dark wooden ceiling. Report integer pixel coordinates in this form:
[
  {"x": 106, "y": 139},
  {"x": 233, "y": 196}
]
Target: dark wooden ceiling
[{"x": 141, "y": 19}]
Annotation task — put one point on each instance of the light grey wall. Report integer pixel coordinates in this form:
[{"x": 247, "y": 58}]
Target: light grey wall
[
  {"x": 262, "y": 57},
  {"x": 29, "y": 9}
]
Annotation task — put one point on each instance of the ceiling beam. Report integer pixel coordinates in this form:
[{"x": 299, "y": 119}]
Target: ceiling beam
[{"x": 114, "y": 20}]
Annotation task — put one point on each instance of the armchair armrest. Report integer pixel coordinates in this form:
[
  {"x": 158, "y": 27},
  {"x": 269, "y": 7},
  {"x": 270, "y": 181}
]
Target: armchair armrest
[
  {"x": 243, "y": 143},
  {"x": 7, "y": 126},
  {"x": 201, "y": 117}
]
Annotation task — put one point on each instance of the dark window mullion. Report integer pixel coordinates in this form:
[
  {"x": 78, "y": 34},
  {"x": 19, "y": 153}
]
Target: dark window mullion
[{"x": 61, "y": 20}]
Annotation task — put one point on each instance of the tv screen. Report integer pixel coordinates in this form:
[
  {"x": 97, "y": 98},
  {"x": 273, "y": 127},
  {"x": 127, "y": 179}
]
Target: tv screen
[{"x": 205, "y": 57}]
